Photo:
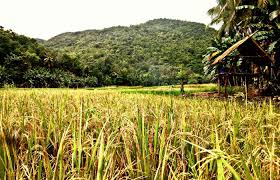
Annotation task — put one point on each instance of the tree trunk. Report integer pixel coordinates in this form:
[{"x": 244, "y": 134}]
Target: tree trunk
[{"x": 182, "y": 87}]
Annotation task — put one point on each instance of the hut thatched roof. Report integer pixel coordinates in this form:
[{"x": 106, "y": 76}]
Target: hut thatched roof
[{"x": 254, "y": 48}]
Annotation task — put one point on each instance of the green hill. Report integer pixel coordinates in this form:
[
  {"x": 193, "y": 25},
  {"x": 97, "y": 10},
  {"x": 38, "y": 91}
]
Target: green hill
[{"x": 151, "y": 53}]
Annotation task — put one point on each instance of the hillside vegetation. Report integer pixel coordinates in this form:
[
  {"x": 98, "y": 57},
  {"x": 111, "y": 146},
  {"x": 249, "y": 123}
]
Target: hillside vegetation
[
  {"x": 26, "y": 63},
  {"x": 147, "y": 54}
]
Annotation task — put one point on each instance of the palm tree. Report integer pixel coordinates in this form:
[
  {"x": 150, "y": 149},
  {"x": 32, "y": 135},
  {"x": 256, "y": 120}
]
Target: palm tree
[
  {"x": 243, "y": 16},
  {"x": 225, "y": 14}
]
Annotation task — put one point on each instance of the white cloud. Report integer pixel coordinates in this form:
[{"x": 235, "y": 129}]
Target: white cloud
[{"x": 46, "y": 18}]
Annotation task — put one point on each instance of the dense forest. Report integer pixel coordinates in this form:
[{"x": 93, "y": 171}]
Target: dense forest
[{"x": 158, "y": 52}]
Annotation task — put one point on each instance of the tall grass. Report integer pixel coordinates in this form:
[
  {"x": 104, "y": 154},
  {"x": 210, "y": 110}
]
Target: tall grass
[{"x": 67, "y": 134}]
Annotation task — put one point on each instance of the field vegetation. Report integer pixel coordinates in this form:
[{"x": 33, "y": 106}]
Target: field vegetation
[
  {"x": 173, "y": 90},
  {"x": 109, "y": 134}
]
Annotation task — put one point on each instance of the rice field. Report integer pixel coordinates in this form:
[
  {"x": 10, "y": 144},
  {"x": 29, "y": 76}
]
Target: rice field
[
  {"x": 163, "y": 90},
  {"x": 108, "y": 134}
]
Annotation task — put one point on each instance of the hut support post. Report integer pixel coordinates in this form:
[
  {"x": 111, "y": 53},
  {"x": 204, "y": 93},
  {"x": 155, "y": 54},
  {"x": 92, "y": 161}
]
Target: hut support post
[
  {"x": 246, "y": 86},
  {"x": 219, "y": 85},
  {"x": 258, "y": 82},
  {"x": 225, "y": 83}
]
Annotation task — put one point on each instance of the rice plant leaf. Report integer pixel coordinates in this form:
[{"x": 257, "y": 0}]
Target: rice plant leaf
[
  {"x": 246, "y": 169},
  {"x": 231, "y": 169},
  {"x": 220, "y": 169},
  {"x": 101, "y": 158}
]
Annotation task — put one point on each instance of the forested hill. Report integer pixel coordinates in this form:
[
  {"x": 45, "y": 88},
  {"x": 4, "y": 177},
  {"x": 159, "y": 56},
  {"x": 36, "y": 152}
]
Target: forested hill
[
  {"x": 154, "y": 53},
  {"x": 151, "y": 53},
  {"x": 26, "y": 63}
]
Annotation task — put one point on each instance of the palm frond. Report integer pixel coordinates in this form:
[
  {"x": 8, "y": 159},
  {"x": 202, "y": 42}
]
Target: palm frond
[
  {"x": 272, "y": 46},
  {"x": 242, "y": 7},
  {"x": 263, "y": 3},
  {"x": 274, "y": 14}
]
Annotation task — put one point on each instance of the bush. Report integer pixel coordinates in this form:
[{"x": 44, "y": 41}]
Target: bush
[
  {"x": 40, "y": 77},
  {"x": 77, "y": 82},
  {"x": 91, "y": 81}
]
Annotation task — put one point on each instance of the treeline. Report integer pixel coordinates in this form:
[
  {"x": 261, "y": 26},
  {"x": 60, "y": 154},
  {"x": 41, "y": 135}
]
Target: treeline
[
  {"x": 153, "y": 53},
  {"x": 25, "y": 63}
]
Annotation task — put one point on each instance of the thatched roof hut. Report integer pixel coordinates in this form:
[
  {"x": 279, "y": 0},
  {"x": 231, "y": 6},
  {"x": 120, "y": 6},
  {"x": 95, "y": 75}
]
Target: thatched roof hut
[
  {"x": 247, "y": 47},
  {"x": 257, "y": 65}
]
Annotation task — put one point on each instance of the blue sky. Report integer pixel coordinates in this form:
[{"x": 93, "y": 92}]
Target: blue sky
[{"x": 47, "y": 18}]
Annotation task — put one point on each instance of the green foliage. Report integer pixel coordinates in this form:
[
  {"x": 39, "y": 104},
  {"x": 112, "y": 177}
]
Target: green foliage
[
  {"x": 146, "y": 54},
  {"x": 25, "y": 63},
  {"x": 184, "y": 73},
  {"x": 218, "y": 47},
  {"x": 42, "y": 77}
]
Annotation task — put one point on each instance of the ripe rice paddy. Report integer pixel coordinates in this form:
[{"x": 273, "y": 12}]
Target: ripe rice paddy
[{"x": 109, "y": 134}]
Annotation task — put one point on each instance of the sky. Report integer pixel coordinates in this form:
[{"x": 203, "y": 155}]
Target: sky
[{"x": 47, "y": 18}]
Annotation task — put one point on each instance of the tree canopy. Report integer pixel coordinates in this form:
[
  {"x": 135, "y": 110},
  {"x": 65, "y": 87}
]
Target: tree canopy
[{"x": 26, "y": 63}]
